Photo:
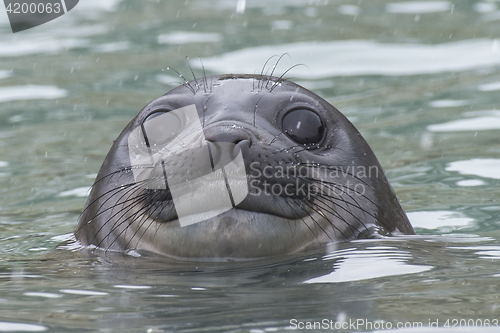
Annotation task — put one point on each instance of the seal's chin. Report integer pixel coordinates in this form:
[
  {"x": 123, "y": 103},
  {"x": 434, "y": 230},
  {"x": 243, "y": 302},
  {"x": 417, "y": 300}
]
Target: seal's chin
[{"x": 236, "y": 233}]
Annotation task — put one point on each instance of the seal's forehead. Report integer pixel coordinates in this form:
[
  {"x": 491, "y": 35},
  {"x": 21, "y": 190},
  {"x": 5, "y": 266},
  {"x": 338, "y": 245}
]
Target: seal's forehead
[
  {"x": 239, "y": 95},
  {"x": 255, "y": 83},
  {"x": 237, "y": 84},
  {"x": 246, "y": 92},
  {"x": 224, "y": 85}
]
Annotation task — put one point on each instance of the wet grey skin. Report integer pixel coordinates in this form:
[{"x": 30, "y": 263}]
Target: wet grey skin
[{"x": 253, "y": 112}]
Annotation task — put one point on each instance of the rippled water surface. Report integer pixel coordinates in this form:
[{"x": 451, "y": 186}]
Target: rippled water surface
[{"x": 419, "y": 79}]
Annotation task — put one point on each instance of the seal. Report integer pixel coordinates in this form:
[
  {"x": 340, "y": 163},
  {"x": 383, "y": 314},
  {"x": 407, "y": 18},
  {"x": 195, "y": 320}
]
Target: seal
[{"x": 238, "y": 166}]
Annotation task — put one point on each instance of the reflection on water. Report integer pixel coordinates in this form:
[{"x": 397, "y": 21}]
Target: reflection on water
[
  {"x": 392, "y": 280},
  {"x": 419, "y": 79},
  {"x": 490, "y": 86},
  {"x": 482, "y": 167},
  {"x": 470, "y": 124},
  {"x": 16, "y": 93},
  {"x": 438, "y": 219},
  {"x": 373, "y": 263},
  {"x": 419, "y": 7},
  {"x": 357, "y": 57},
  {"x": 184, "y": 37}
]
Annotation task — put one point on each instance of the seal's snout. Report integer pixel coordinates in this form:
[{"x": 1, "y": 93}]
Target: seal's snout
[
  {"x": 235, "y": 134},
  {"x": 231, "y": 138}
]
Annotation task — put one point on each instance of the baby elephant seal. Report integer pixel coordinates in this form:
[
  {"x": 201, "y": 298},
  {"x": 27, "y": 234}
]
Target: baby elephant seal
[{"x": 238, "y": 166}]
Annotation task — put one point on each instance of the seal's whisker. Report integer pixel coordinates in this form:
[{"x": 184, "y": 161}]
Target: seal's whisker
[
  {"x": 144, "y": 185},
  {"x": 163, "y": 206},
  {"x": 141, "y": 223},
  {"x": 119, "y": 222},
  {"x": 348, "y": 207},
  {"x": 92, "y": 203},
  {"x": 332, "y": 186},
  {"x": 343, "y": 169},
  {"x": 133, "y": 219},
  {"x": 316, "y": 223},
  {"x": 291, "y": 229},
  {"x": 101, "y": 211},
  {"x": 336, "y": 214},
  {"x": 205, "y": 82},
  {"x": 316, "y": 208},
  {"x": 305, "y": 223},
  {"x": 128, "y": 192},
  {"x": 115, "y": 226},
  {"x": 159, "y": 224},
  {"x": 281, "y": 77},
  {"x": 340, "y": 197},
  {"x": 129, "y": 189},
  {"x": 265, "y": 78},
  {"x": 192, "y": 73},
  {"x": 186, "y": 82},
  {"x": 322, "y": 198},
  {"x": 115, "y": 189},
  {"x": 335, "y": 228},
  {"x": 358, "y": 206},
  {"x": 274, "y": 67},
  {"x": 147, "y": 214},
  {"x": 130, "y": 220},
  {"x": 275, "y": 137},
  {"x": 262, "y": 73},
  {"x": 135, "y": 200},
  {"x": 120, "y": 173},
  {"x": 95, "y": 200},
  {"x": 344, "y": 172}
]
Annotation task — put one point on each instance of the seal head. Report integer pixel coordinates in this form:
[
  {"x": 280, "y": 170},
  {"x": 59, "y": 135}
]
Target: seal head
[{"x": 238, "y": 166}]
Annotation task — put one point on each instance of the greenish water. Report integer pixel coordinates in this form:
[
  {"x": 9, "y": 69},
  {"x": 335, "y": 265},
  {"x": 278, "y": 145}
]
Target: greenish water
[{"x": 420, "y": 80}]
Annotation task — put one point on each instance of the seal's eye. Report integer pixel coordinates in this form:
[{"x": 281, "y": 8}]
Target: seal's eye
[
  {"x": 161, "y": 128},
  {"x": 303, "y": 126}
]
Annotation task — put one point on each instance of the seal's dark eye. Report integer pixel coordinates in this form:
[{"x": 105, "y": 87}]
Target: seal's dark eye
[
  {"x": 303, "y": 126},
  {"x": 161, "y": 127}
]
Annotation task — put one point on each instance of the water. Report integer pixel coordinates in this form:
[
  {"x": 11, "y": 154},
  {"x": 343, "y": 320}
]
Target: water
[{"x": 419, "y": 79}]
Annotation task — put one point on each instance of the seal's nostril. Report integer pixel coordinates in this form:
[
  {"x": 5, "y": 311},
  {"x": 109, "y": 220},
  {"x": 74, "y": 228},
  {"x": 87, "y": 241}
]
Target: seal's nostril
[{"x": 227, "y": 133}]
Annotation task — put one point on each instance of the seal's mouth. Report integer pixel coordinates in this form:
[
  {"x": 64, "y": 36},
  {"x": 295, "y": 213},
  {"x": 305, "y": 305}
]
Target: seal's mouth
[{"x": 260, "y": 200}]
